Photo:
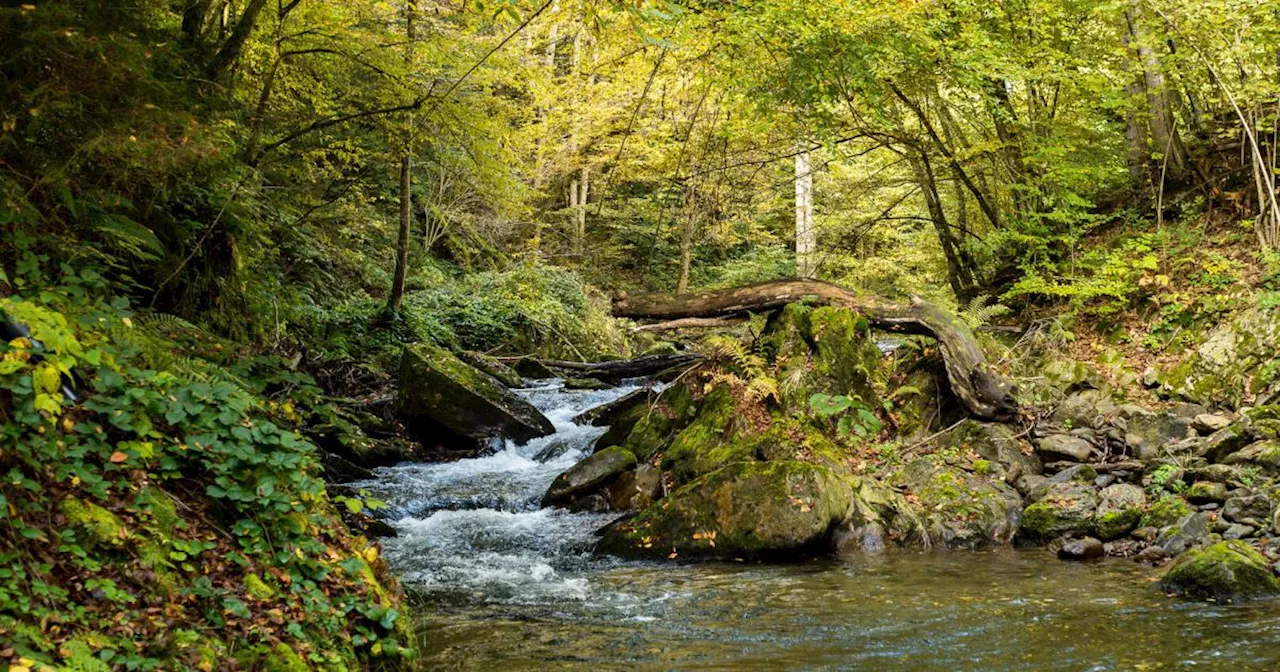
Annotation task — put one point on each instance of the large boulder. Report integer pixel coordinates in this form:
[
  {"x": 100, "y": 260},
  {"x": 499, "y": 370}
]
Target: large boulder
[
  {"x": 1120, "y": 508},
  {"x": 748, "y": 509},
  {"x": 1263, "y": 454},
  {"x": 1089, "y": 408},
  {"x": 1066, "y": 509},
  {"x": 1225, "y": 571},
  {"x": 589, "y": 476},
  {"x": 1147, "y": 433},
  {"x": 1233, "y": 364},
  {"x": 996, "y": 443},
  {"x": 958, "y": 509},
  {"x": 446, "y": 401}
]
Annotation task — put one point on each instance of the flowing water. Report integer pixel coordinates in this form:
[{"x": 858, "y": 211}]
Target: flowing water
[{"x": 505, "y": 585}]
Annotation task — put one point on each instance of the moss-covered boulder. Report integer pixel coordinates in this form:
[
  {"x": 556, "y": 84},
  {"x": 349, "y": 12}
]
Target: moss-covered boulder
[
  {"x": 748, "y": 509},
  {"x": 1235, "y": 362},
  {"x": 711, "y": 441},
  {"x": 1262, "y": 454},
  {"x": 958, "y": 509},
  {"x": 588, "y": 476},
  {"x": 1068, "y": 508},
  {"x": 1226, "y": 571},
  {"x": 490, "y": 365},
  {"x": 1089, "y": 408},
  {"x": 1120, "y": 507},
  {"x": 823, "y": 350},
  {"x": 1166, "y": 511},
  {"x": 446, "y": 401},
  {"x": 647, "y": 428},
  {"x": 996, "y": 443}
]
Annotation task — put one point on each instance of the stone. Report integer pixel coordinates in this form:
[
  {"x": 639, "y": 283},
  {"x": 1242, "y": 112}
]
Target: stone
[
  {"x": 1188, "y": 532},
  {"x": 1150, "y": 378},
  {"x": 1222, "y": 443},
  {"x": 1247, "y": 508},
  {"x": 1218, "y": 473},
  {"x": 1263, "y": 454},
  {"x": 531, "y": 367},
  {"x": 589, "y": 476},
  {"x": 957, "y": 509},
  {"x": 1120, "y": 507},
  {"x": 1104, "y": 480},
  {"x": 609, "y": 414},
  {"x": 1152, "y": 555},
  {"x": 1086, "y": 548},
  {"x": 1165, "y": 512},
  {"x": 1065, "y": 509},
  {"x": 1205, "y": 492},
  {"x": 1070, "y": 375},
  {"x": 444, "y": 400},
  {"x": 636, "y": 489},
  {"x": 781, "y": 509},
  {"x": 1238, "y": 531},
  {"x": 1147, "y": 434},
  {"x": 1080, "y": 473},
  {"x": 1232, "y": 364},
  {"x": 1226, "y": 571},
  {"x": 585, "y": 384},
  {"x": 996, "y": 443},
  {"x": 1089, "y": 408},
  {"x": 1060, "y": 446},
  {"x": 1208, "y": 423},
  {"x": 1145, "y": 534},
  {"x": 503, "y": 373}
]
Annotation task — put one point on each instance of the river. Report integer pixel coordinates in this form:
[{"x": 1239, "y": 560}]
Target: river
[{"x": 502, "y": 584}]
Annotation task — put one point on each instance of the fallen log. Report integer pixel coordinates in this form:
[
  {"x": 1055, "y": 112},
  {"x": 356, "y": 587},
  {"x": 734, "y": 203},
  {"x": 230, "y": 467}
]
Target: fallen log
[
  {"x": 690, "y": 323},
  {"x": 983, "y": 391}
]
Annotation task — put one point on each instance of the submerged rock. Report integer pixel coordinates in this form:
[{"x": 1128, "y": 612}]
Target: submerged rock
[
  {"x": 588, "y": 476},
  {"x": 747, "y": 509},
  {"x": 1226, "y": 571},
  {"x": 1086, "y": 548},
  {"x": 444, "y": 400}
]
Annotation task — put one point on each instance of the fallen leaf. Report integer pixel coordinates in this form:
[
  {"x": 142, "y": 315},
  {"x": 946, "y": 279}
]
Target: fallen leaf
[{"x": 118, "y": 457}]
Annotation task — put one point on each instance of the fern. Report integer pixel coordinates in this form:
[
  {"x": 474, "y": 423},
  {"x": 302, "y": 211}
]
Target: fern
[
  {"x": 129, "y": 236},
  {"x": 978, "y": 313}
]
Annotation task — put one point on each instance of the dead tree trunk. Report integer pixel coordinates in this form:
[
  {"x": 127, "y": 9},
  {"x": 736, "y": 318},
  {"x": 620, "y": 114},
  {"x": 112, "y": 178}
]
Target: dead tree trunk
[{"x": 985, "y": 393}]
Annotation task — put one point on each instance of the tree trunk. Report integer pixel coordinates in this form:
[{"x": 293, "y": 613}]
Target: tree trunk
[
  {"x": 983, "y": 392},
  {"x": 406, "y": 183},
  {"x": 1136, "y": 135},
  {"x": 580, "y": 217},
  {"x": 958, "y": 276},
  {"x": 1164, "y": 130},
  {"x": 806, "y": 237},
  {"x": 231, "y": 49}
]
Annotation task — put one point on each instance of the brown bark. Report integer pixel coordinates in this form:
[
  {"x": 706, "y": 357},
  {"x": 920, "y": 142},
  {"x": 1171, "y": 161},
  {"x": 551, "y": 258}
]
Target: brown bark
[
  {"x": 983, "y": 391},
  {"x": 231, "y": 49},
  {"x": 406, "y": 183}
]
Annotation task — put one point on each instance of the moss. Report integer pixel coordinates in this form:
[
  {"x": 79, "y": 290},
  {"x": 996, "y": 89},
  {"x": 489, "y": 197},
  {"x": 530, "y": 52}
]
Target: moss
[
  {"x": 653, "y": 426},
  {"x": 748, "y": 509},
  {"x": 101, "y": 526},
  {"x": 1225, "y": 571},
  {"x": 256, "y": 588},
  {"x": 284, "y": 659},
  {"x": 1066, "y": 508},
  {"x": 1167, "y": 511},
  {"x": 160, "y": 507},
  {"x": 1114, "y": 524},
  {"x": 982, "y": 467},
  {"x": 708, "y": 443}
]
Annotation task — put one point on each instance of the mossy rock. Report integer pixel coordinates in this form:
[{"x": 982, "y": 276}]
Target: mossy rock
[
  {"x": 99, "y": 526},
  {"x": 745, "y": 510},
  {"x": 825, "y": 350},
  {"x": 647, "y": 429},
  {"x": 957, "y": 509},
  {"x": 585, "y": 384},
  {"x": 1065, "y": 509},
  {"x": 1165, "y": 512},
  {"x": 589, "y": 476},
  {"x": 995, "y": 442},
  {"x": 440, "y": 391},
  {"x": 710, "y": 441},
  {"x": 1263, "y": 454},
  {"x": 1236, "y": 361},
  {"x": 1226, "y": 571},
  {"x": 1120, "y": 508},
  {"x": 501, "y": 372}
]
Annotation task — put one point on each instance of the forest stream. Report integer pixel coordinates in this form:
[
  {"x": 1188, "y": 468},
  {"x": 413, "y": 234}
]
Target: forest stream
[{"x": 505, "y": 584}]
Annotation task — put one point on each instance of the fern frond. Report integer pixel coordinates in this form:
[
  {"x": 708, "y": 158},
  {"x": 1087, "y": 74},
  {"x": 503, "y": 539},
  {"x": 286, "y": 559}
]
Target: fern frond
[{"x": 977, "y": 313}]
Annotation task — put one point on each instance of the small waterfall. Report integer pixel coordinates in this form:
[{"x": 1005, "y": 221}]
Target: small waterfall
[{"x": 473, "y": 529}]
